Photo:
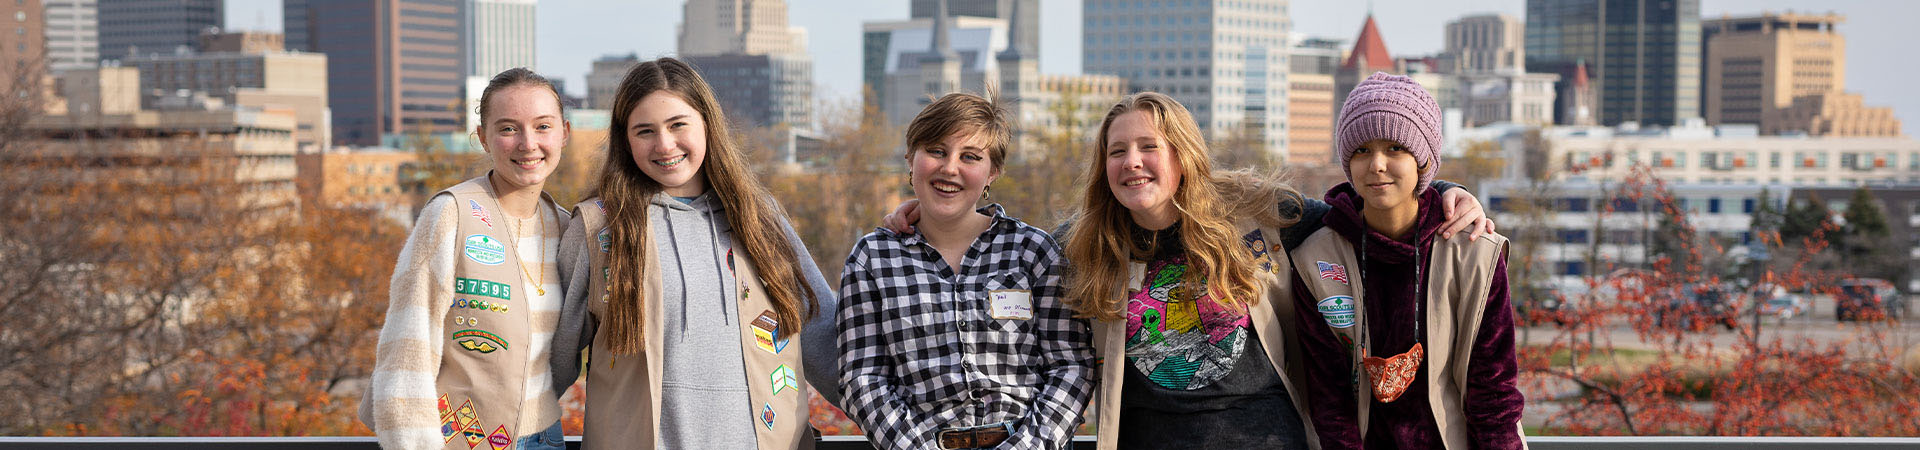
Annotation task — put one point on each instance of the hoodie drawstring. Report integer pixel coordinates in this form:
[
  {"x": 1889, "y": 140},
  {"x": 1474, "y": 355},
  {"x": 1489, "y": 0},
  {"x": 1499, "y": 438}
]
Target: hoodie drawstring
[
  {"x": 719, "y": 266},
  {"x": 668, "y": 214}
]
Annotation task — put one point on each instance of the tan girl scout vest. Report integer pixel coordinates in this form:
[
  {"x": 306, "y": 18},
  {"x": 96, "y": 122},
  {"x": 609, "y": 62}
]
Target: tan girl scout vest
[
  {"x": 623, "y": 389},
  {"x": 1272, "y": 320},
  {"x": 1459, "y": 275},
  {"x": 483, "y": 368}
]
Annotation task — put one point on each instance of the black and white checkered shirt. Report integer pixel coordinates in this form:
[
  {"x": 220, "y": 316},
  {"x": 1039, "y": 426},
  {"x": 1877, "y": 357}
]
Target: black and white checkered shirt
[{"x": 920, "y": 352}]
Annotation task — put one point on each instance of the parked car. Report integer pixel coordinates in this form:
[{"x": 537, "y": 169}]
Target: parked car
[
  {"x": 1697, "y": 307},
  {"x": 1861, "y": 295},
  {"x": 1775, "y": 301},
  {"x": 1551, "y": 302}
]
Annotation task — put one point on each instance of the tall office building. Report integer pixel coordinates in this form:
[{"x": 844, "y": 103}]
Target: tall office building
[
  {"x": 1486, "y": 55},
  {"x": 905, "y": 64},
  {"x": 1026, "y": 35},
  {"x": 761, "y": 90},
  {"x": 248, "y": 70},
  {"x": 155, "y": 26},
  {"x": 757, "y": 64},
  {"x": 1484, "y": 43},
  {"x": 500, "y": 34},
  {"x": 1225, "y": 60},
  {"x": 753, "y": 27},
  {"x": 1787, "y": 74},
  {"x": 294, "y": 23},
  {"x": 1757, "y": 64},
  {"x": 1643, "y": 56},
  {"x": 604, "y": 79},
  {"x": 1310, "y": 99},
  {"x": 395, "y": 68},
  {"x": 20, "y": 66},
  {"x": 73, "y": 34}
]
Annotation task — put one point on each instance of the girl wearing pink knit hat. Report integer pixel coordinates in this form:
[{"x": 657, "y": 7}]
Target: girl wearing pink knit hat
[{"x": 1421, "y": 321}]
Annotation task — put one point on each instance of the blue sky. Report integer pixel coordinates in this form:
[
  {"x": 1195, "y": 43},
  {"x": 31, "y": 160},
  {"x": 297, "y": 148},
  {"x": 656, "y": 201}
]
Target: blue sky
[{"x": 575, "y": 32}]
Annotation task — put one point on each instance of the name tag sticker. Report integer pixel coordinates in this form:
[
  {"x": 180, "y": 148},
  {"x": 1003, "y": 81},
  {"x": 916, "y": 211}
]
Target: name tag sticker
[{"x": 1012, "y": 304}]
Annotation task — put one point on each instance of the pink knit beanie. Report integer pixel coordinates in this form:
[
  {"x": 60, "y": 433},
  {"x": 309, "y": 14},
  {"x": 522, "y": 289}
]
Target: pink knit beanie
[{"x": 1394, "y": 108}]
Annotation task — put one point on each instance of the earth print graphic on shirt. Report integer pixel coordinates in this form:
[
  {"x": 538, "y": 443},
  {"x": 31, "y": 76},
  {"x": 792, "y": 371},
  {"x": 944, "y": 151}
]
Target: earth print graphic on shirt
[{"x": 1178, "y": 342}]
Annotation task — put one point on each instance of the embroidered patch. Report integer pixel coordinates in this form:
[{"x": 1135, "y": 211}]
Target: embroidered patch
[
  {"x": 1257, "y": 243},
  {"x": 1331, "y": 271},
  {"x": 461, "y": 420},
  {"x": 766, "y": 333},
  {"x": 606, "y": 240},
  {"x": 783, "y": 379},
  {"x": 499, "y": 439},
  {"x": 1337, "y": 310},
  {"x": 766, "y": 415},
  {"x": 480, "y": 213},
  {"x": 479, "y": 341},
  {"x": 474, "y": 435},
  {"x": 485, "y": 250},
  {"x": 468, "y": 321},
  {"x": 449, "y": 424},
  {"x": 484, "y": 288}
]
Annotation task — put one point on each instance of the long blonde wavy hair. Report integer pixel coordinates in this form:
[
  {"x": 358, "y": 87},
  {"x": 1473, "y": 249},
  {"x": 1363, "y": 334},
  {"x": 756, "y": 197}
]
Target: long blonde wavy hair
[
  {"x": 1100, "y": 243},
  {"x": 751, "y": 212}
]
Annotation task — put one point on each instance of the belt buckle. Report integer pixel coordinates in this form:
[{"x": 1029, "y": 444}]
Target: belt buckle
[{"x": 975, "y": 436}]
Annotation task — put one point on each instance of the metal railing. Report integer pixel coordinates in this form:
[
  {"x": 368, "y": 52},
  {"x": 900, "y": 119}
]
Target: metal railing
[{"x": 860, "y": 443}]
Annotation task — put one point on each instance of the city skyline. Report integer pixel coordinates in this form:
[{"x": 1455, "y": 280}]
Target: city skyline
[{"x": 571, "y": 35}]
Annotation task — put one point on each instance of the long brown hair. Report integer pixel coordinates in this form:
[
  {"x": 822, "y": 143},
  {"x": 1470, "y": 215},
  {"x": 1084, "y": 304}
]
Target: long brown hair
[
  {"x": 628, "y": 192},
  {"x": 1100, "y": 243}
]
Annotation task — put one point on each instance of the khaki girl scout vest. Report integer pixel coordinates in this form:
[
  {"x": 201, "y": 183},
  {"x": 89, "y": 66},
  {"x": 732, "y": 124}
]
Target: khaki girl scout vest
[
  {"x": 624, "y": 388},
  {"x": 483, "y": 368},
  {"x": 1272, "y": 321},
  {"x": 1460, "y": 274}
]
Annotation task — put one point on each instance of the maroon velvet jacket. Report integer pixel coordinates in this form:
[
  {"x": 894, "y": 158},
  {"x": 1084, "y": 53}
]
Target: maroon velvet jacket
[{"x": 1493, "y": 402}]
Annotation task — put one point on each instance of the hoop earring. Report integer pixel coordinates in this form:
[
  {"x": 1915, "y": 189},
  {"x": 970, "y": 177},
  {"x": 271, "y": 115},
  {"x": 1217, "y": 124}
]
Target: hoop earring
[{"x": 986, "y": 192}]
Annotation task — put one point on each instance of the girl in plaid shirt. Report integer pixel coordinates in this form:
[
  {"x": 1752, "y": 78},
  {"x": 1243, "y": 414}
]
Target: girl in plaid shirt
[{"x": 955, "y": 336}]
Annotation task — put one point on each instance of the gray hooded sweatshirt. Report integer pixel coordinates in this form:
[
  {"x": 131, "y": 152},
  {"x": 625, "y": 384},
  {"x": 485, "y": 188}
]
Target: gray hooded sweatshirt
[{"x": 700, "y": 408}]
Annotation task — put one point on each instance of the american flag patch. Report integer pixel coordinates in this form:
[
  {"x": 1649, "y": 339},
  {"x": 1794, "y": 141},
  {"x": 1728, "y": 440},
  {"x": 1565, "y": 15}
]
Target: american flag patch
[
  {"x": 480, "y": 213},
  {"x": 1331, "y": 271}
]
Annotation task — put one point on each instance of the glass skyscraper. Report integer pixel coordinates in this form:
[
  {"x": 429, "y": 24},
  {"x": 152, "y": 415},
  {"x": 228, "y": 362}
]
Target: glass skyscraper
[{"x": 1644, "y": 55}]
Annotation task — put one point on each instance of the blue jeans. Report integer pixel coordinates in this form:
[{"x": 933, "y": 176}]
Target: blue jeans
[{"x": 551, "y": 439}]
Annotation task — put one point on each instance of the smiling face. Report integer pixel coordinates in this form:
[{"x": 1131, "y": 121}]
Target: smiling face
[
  {"x": 1385, "y": 174},
  {"x": 523, "y": 135},
  {"x": 950, "y": 176},
  {"x": 669, "y": 142},
  {"x": 1142, "y": 170}
]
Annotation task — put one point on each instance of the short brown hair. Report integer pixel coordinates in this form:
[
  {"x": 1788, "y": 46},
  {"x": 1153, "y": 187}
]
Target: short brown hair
[{"x": 959, "y": 111}]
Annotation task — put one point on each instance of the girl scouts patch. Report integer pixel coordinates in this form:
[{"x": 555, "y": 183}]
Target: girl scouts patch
[
  {"x": 1337, "y": 310},
  {"x": 1331, "y": 271},
  {"x": 606, "y": 240},
  {"x": 479, "y": 341},
  {"x": 783, "y": 379},
  {"x": 480, "y": 213},
  {"x": 449, "y": 423},
  {"x": 766, "y": 415},
  {"x": 485, "y": 250},
  {"x": 766, "y": 333},
  {"x": 499, "y": 439}
]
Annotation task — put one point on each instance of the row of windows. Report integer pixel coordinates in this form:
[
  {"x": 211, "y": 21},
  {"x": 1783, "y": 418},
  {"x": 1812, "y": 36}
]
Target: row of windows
[
  {"x": 1267, "y": 7},
  {"x": 1707, "y": 205}
]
